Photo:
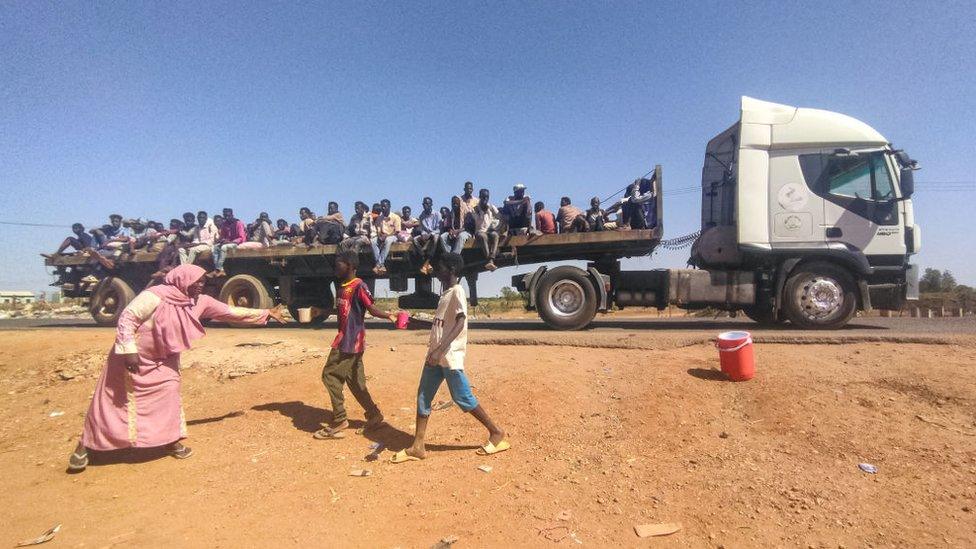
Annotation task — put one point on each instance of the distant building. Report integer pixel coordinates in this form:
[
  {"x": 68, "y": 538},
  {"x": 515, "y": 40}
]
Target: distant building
[{"x": 11, "y": 298}]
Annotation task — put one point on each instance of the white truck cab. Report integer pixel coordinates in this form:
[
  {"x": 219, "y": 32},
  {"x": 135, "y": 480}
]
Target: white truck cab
[{"x": 820, "y": 199}]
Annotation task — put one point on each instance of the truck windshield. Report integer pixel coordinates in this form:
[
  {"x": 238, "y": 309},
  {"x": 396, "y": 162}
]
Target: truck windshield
[{"x": 862, "y": 175}]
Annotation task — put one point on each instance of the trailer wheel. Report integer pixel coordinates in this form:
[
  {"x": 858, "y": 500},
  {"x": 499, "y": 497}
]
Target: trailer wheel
[
  {"x": 566, "y": 298},
  {"x": 246, "y": 291},
  {"x": 109, "y": 300},
  {"x": 819, "y": 296}
]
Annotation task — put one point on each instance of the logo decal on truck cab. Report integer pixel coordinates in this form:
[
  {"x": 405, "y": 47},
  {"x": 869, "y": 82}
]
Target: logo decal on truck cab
[
  {"x": 793, "y": 223},
  {"x": 793, "y": 197}
]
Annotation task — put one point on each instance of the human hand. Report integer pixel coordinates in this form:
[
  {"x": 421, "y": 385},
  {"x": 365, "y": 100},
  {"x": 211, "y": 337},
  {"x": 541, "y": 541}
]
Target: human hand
[
  {"x": 132, "y": 362},
  {"x": 432, "y": 358},
  {"x": 277, "y": 313}
]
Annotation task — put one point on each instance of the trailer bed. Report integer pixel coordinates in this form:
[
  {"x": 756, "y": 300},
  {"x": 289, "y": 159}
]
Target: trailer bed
[{"x": 512, "y": 250}]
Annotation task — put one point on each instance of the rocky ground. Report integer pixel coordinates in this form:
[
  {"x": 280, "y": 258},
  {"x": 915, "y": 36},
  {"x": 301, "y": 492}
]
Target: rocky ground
[{"x": 611, "y": 429}]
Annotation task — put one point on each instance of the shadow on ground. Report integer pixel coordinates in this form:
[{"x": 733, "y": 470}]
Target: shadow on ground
[
  {"x": 707, "y": 374},
  {"x": 310, "y": 419}
]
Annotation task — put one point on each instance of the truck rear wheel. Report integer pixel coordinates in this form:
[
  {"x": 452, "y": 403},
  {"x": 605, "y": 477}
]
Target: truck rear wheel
[
  {"x": 246, "y": 291},
  {"x": 566, "y": 298},
  {"x": 819, "y": 296},
  {"x": 109, "y": 300}
]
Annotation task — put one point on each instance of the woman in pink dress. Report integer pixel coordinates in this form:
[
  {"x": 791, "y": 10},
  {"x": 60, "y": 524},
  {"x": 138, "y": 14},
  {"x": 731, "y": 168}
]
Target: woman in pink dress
[{"x": 137, "y": 400}]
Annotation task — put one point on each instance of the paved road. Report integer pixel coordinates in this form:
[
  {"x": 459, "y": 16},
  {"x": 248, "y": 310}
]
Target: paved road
[{"x": 860, "y": 326}]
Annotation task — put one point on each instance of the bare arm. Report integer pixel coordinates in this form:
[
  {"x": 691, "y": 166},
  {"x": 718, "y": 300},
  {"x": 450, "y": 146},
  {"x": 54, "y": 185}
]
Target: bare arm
[
  {"x": 435, "y": 354},
  {"x": 378, "y": 313}
]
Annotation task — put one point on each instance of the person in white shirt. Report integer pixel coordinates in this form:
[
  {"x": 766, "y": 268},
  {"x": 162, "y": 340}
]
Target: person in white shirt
[
  {"x": 204, "y": 235},
  {"x": 445, "y": 362},
  {"x": 486, "y": 219}
]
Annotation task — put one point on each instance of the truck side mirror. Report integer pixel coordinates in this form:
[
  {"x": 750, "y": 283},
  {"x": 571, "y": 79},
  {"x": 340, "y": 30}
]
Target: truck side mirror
[{"x": 907, "y": 183}]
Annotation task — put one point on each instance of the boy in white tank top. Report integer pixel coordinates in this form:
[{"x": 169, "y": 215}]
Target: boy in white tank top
[{"x": 445, "y": 362}]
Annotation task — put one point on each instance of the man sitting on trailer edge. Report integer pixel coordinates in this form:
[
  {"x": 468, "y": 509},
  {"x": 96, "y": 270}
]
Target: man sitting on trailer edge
[
  {"x": 516, "y": 211},
  {"x": 485, "y": 216},
  {"x": 80, "y": 241},
  {"x": 202, "y": 238},
  {"x": 427, "y": 234},
  {"x": 331, "y": 227},
  {"x": 545, "y": 221},
  {"x": 232, "y": 234},
  {"x": 360, "y": 230},
  {"x": 387, "y": 225},
  {"x": 112, "y": 237},
  {"x": 570, "y": 218}
]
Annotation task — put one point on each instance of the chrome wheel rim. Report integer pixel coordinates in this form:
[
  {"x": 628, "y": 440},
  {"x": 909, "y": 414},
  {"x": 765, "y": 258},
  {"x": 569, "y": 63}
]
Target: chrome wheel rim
[
  {"x": 820, "y": 297},
  {"x": 566, "y": 298}
]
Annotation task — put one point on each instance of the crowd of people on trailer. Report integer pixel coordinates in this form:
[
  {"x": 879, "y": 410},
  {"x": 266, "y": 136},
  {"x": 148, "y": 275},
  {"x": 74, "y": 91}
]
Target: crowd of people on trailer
[{"x": 376, "y": 228}]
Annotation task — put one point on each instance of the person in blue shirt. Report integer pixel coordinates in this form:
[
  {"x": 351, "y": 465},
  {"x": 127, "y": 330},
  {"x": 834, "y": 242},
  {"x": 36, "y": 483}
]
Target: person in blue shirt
[
  {"x": 112, "y": 235},
  {"x": 426, "y": 234}
]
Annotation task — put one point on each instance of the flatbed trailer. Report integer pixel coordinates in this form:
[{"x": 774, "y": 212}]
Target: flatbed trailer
[{"x": 806, "y": 217}]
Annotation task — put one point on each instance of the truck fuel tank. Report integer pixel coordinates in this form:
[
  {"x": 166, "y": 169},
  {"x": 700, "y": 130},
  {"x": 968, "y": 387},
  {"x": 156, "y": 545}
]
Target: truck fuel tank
[{"x": 701, "y": 287}]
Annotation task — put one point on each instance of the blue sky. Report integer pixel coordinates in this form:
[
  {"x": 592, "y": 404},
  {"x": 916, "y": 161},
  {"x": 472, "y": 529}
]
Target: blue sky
[{"x": 152, "y": 109}]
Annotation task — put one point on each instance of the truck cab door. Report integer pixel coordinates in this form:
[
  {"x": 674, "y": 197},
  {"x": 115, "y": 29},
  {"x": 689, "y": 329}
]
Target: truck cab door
[
  {"x": 860, "y": 203},
  {"x": 795, "y": 211}
]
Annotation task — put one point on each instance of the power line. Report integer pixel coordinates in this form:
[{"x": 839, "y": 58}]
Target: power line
[{"x": 20, "y": 224}]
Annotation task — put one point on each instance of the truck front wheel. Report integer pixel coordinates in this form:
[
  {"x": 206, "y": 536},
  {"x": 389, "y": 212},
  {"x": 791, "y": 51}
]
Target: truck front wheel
[
  {"x": 246, "y": 291},
  {"x": 819, "y": 296},
  {"x": 109, "y": 300},
  {"x": 566, "y": 298}
]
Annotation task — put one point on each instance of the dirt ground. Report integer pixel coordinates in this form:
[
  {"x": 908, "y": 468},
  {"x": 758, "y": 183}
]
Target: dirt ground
[{"x": 610, "y": 429}]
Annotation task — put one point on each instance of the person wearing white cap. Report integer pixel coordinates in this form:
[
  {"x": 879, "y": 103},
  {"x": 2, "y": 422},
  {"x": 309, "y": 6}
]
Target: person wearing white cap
[{"x": 516, "y": 211}]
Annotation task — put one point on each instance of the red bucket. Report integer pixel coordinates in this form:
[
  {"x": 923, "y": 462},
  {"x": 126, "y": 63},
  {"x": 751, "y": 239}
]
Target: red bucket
[{"x": 736, "y": 355}]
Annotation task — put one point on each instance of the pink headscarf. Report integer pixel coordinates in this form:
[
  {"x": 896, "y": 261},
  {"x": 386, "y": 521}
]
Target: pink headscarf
[{"x": 175, "y": 325}]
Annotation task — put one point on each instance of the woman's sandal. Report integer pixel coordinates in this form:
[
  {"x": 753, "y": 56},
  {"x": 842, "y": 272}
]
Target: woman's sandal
[
  {"x": 181, "y": 452},
  {"x": 77, "y": 462}
]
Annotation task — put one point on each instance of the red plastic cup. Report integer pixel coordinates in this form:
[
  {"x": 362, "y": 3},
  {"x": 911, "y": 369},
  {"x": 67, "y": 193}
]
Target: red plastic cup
[{"x": 403, "y": 319}]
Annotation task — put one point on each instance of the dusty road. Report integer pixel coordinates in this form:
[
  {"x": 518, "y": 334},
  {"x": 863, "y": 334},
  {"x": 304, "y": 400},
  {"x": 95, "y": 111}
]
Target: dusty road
[{"x": 614, "y": 427}]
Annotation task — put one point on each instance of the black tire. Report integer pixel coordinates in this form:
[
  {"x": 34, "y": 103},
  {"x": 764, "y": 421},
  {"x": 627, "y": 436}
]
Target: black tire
[
  {"x": 246, "y": 291},
  {"x": 566, "y": 298},
  {"x": 819, "y": 296},
  {"x": 762, "y": 315},
  {"x": 109, "y": 299}
]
